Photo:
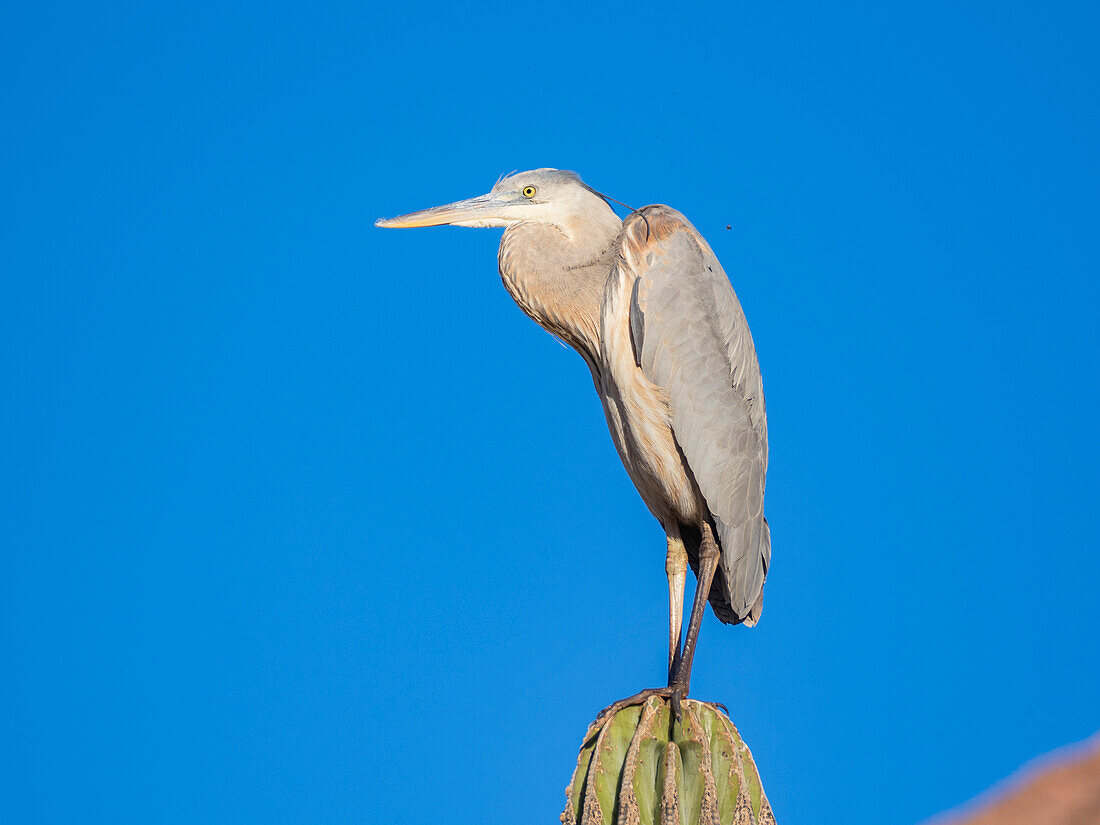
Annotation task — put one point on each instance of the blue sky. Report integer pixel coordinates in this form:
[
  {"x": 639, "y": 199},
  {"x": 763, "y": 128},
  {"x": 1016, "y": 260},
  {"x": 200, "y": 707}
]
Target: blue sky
[{"x": 307, "y": 523}]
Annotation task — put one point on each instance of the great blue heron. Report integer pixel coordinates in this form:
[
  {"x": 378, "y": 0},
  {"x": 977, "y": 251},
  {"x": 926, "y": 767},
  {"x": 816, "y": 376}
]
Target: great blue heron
[{"x": 647, "y": 305}]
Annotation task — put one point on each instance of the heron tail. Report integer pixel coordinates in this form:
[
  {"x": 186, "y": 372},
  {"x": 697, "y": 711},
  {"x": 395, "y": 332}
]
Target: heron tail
[{"x": 737, "y": 592}]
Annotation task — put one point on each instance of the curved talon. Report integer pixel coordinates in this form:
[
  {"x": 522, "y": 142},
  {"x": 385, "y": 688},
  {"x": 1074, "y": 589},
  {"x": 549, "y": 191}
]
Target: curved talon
[
  {"x": 675, "y": 694},
  {"x": 636, "y": 699}
]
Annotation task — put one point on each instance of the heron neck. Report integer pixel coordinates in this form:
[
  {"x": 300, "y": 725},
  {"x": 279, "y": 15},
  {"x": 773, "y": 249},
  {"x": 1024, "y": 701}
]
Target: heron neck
[{"x": 558, "y": 281}]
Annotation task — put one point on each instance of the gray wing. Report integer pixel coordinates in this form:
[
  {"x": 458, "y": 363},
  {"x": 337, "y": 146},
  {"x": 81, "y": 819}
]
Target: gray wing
[{"x": 691, "y": 338}]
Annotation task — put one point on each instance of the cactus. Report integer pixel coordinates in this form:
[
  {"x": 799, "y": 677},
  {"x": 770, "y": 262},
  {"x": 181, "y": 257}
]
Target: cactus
[{"x": 640, "y": 766}]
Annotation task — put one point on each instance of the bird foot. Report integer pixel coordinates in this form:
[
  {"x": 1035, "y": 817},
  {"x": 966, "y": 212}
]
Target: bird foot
[{"x": 675, "y": 694}]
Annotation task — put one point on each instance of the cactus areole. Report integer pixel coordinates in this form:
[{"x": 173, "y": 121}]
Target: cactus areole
[{"x": 642, "y": 766}]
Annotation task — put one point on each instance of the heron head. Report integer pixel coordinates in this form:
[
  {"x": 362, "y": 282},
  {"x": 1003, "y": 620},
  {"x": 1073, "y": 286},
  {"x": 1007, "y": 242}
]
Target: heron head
[{"x": 549, "y": 196}]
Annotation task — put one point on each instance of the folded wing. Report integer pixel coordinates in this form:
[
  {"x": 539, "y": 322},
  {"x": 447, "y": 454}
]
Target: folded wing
[{"x": 690, "y": 337}]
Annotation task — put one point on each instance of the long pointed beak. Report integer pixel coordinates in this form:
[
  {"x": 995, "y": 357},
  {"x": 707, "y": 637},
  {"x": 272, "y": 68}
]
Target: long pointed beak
[{"x": 479, "y": 211}]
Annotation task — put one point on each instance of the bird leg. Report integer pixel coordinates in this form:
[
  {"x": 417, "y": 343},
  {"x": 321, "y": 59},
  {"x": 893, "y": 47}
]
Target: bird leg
[
  {"x": 708, "y": 563},
  {"x": 676, "y": 562},
  {"x": 676, "y": 570}
]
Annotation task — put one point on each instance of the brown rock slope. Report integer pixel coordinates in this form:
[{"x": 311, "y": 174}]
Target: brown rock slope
[{"x": 1061, "y": 789}]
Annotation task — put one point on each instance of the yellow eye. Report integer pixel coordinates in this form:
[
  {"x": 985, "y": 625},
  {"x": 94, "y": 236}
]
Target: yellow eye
[{"x": 528, "y": 191}]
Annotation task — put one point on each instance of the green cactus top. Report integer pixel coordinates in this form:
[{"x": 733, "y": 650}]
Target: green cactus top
[{"x": 640, "y": 766}]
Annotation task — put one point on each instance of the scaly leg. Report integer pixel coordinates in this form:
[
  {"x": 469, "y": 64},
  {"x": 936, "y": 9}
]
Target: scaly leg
[
  {"x": 679, "y": 663},
  {"x": 708, "y": 563},
  {"x": 676, "y": 570}
]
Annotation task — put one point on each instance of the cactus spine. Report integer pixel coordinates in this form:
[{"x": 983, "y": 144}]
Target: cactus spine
[{"x": 642, "y": 767}]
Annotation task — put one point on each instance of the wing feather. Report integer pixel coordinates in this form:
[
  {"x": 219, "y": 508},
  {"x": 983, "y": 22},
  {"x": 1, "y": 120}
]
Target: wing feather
[{"x": 691, "y": 339}]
